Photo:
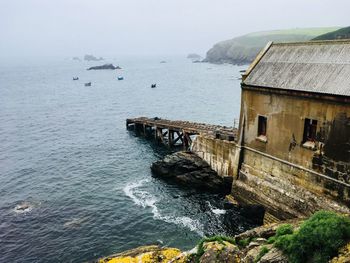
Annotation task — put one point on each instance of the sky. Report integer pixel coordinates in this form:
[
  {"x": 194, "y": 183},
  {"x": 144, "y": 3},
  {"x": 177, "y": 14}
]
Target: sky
[{"x": 150, "y": 27}]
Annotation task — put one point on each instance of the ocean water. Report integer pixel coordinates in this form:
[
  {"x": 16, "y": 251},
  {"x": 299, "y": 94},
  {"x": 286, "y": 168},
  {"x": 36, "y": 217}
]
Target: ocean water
[{"x": 66, "y": 153}]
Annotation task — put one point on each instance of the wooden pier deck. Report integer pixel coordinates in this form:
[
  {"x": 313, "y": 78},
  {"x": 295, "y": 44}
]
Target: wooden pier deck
[{"x": 175, "y": 133}]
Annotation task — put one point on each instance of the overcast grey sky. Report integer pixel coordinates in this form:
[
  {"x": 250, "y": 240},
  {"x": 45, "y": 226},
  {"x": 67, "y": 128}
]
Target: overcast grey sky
[{"x": 124, "y": 27}]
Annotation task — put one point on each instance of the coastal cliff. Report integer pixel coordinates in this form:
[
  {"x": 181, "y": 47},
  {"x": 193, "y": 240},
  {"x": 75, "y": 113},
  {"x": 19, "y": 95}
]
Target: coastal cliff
[
  {"x": 243, "y": 49},
  {"x": 324, "y": 237}
]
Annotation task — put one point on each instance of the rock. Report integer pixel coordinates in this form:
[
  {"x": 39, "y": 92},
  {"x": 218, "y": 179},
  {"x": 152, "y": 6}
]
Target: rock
[
  {"x": 255, "y": 213},
  {"x": 220, "y": 252},
  {"x": 343, "y": 256},
  {"x": 189, "y": 169},
  {"x": 92, "y": 58},
  {"x": 105, "y": 66},
  {"x": 253, "y": 245},
  {"x": 251, "y": 254},
  {"x": 145, "y": 254},
  {"x": 274, "y": 256},
  {"x": 266, "y": 231},
  {"x": 194, "y": 56},
  {"x": 23, "y": 207}
]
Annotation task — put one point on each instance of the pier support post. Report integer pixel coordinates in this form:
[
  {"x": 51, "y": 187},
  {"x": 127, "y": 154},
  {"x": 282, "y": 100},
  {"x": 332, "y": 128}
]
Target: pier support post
[{"x": 170, "y": 137}]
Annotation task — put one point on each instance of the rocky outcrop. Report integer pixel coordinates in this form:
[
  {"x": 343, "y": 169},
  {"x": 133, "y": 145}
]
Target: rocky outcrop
[
  {"x": 105, "y": 66},
  {"x": 252, "y": 246},
  {"x": 154, "y": 254},
  {"x": 92, "y": 58},
  {"x": 189, "y": 169}
]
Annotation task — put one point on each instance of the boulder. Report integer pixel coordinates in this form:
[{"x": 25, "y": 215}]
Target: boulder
[
  {"x": 189, "y": 169},
  {"x": 220, "y": 252}
]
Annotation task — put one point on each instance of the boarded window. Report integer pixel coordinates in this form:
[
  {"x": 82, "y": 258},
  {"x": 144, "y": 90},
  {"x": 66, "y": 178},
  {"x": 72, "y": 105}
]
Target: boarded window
[
  {"x": 310, "y": 129},
  {"x": 262, "y": 126}
]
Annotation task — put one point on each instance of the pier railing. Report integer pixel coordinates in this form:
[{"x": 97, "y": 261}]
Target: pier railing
[{"x": 175, "y": 133}]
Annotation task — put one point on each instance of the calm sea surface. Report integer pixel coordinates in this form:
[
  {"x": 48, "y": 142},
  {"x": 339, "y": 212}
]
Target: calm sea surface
[{"x": 66, "y": 153}]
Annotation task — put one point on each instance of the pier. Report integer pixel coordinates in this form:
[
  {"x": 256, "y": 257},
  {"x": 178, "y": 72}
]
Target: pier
[{"x": 177, "y": 133}]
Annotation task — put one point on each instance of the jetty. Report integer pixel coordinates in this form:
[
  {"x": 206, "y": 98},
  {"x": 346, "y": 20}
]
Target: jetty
[{"x": 177, "y": 133}]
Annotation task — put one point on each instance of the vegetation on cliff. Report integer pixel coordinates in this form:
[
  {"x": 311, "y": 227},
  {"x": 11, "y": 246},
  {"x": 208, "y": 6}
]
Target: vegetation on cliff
[
  {"x": 317, "y": 240},
  {"x": 243, "y": 49},
  {"x": 343, "y": 33},
  {"x": 324, "y": 237}
]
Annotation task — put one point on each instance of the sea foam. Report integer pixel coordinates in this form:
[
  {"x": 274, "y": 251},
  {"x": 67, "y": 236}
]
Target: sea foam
[{"x": 147, "y": 200}]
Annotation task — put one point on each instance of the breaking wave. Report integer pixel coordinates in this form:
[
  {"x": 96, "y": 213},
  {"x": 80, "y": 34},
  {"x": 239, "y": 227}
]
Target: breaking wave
[
  {"x": 147, "y": 200},
  {"x": 216, "y": 211}
]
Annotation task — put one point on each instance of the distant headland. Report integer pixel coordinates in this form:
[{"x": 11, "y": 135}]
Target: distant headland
[{"x": 243, "y": 49}]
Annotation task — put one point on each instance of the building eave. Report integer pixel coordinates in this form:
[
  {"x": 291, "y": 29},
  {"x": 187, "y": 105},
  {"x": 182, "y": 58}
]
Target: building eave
[{"x": 298, "y": 93}]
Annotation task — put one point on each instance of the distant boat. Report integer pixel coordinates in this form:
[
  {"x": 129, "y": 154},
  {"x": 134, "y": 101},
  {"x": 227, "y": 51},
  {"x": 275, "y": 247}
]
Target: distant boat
[
  {"x": 163, "y": 61},
  {"x": 153, "y": 86},
  {"x": 75, "y": 78},
  {"x": 120, "y": 78},
  {"x": 87, "y": 84}
]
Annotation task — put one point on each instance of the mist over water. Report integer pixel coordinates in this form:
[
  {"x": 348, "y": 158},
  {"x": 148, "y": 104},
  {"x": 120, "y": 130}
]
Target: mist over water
[{"x": 83, "y": 181}]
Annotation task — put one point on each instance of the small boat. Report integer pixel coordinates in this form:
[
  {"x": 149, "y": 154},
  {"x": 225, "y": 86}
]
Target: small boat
[
  {"x": 153, "y": 86},
  {"x": 120, "y": 78},
  {"x": 75, "y": 78},
  {"x": 87, "y": 84}
]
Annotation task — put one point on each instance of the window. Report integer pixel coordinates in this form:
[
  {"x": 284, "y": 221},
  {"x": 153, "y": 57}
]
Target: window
[
  {"x": 310, "y": 128},
  {"x": 262, "y": 122},
  {"x": 309, "y": 137}
]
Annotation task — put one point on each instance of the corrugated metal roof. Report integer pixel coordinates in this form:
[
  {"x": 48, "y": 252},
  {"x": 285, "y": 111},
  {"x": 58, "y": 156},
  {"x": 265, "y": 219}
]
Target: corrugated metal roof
[{"x": 315, "y": 66}]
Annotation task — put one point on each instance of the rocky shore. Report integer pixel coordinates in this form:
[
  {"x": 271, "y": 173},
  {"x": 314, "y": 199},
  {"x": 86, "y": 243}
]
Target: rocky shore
[
  {"x": 189, "y": 169},
  {"x": 259, "y": 245}
]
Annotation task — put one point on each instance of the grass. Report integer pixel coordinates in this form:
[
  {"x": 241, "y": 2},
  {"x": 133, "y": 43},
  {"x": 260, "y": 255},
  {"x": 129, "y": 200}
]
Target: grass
[{"x": 318, "y": 239}]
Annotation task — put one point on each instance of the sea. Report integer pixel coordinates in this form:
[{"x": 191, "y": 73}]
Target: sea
[{"x": 75, "y": 185}]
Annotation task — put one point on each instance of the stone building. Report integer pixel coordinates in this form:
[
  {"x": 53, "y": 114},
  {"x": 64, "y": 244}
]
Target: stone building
[{"x": 292, "y": 154}]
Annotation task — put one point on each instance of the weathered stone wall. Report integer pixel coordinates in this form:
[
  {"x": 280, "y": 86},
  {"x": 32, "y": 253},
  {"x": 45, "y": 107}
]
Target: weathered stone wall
[
  {"x": 285, "y": 127},
  {"x": 221, "y": 155},
  {"x": 287, "y": 191}
]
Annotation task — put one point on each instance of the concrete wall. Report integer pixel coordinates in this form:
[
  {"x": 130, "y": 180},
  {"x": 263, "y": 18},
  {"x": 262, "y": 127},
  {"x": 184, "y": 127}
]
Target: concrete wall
[{"x": 221, "y": 155}]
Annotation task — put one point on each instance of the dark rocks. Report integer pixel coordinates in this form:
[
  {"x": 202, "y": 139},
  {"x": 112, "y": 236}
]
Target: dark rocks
[
  {"x": 92, "y": 58},
  {"x": 189, "y": 169},
  {"x": 194, "y": 56},
  {"x": 105, "y": 66}
]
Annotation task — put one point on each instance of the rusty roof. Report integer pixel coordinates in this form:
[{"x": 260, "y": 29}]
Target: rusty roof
[{"x": 314, "y": 66}]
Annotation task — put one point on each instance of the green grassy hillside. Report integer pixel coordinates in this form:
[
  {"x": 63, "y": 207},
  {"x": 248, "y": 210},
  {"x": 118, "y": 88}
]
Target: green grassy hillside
[
  {"x": 343, "y": 33},
  {"x": 243, "y": 49}
]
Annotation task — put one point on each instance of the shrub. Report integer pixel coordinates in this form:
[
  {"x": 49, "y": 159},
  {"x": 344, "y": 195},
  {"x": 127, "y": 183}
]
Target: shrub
[
  {"x": 318, "y": 239},
  {"x": 285, "y": 229},
  {"x": 244, "y": 242}
]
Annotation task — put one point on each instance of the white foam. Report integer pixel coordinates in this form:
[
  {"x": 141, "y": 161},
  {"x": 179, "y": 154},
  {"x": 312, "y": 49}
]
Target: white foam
[
  {"x": 216, "y": 211},
  {"x": 23, "y": 208},
  {"x": 145, "y": 199},
  {"x": 219, "y": 211}
]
